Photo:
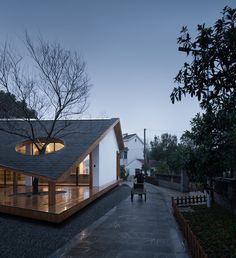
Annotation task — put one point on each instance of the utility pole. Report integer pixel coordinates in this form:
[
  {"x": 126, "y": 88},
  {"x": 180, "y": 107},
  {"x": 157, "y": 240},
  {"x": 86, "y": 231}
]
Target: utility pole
[{"x": 144, "y": 152}]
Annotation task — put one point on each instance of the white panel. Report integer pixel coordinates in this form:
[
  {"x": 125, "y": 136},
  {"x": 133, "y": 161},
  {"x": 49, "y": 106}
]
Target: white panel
[
  {"x": 132, "y": 166},
  {"x": 108, "y": 148},
  {"x": 95, "y": 157}
]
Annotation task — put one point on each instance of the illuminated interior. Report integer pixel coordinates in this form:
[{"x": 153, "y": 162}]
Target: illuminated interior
[
  {"x": 30, "y": 148},
  {"x": 78, "y": 176},
  {"x": 84, "y": 166},
  {"x": 6, "y": 176}
]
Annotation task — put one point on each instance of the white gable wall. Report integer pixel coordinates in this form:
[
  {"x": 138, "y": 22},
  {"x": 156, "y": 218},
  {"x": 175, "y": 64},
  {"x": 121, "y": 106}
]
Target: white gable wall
[
  {"x": 135, "y": 150},
  {"x": 95, "y": 157},
  {"x": 104, "y": 159},
  {"x": 136, "y": 164}
]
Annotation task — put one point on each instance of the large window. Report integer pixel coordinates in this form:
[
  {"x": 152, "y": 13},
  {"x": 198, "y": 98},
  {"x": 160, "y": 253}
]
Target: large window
[
  {"x": 83, "y": 167},
  {"x": 124, "y": 154}
]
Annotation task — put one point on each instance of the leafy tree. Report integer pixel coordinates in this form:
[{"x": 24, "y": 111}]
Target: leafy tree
[
  {"x": 11, "y": 108},
  {"x": 164, "y": 150},
  {"x": 201, "y": 155},
  {"x": 211, "y": 76},
  {"x": 123, "y": 173}
]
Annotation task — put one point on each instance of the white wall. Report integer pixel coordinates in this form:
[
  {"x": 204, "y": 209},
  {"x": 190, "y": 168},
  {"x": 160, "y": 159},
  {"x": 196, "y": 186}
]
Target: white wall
[
  {"x": 95, "y": 157},
  {"x": 104, "y": 159},
  {"x": 135, "y": 149},
  {"x": 132, "y": 166}
]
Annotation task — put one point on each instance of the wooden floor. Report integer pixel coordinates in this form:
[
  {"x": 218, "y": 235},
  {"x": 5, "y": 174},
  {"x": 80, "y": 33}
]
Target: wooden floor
[{"x": 69, "y": 200}]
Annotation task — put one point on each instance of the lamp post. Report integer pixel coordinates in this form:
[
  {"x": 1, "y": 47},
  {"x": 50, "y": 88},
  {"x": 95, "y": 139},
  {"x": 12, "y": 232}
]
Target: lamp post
[{"x": 144, "y": 153}]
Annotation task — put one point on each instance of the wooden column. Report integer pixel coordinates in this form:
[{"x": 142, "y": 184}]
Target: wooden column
[
  {"x": 14, "y": 182},
  {"x": 51, "y": 193},
  {"x": 77, "y": 176},
  {"x": 117, "y": 165},
  {"x": 90, "y": 170},
  {"x": 5, "y": 177}
]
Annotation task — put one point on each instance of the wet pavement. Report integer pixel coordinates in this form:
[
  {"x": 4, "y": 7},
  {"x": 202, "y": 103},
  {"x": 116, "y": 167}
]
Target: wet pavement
[{"x": 132, "y": 229}]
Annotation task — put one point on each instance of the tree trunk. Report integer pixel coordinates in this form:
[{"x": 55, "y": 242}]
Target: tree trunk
[
  {"x": 35, "y": 179},
  {"x": 35, "y": 185}
]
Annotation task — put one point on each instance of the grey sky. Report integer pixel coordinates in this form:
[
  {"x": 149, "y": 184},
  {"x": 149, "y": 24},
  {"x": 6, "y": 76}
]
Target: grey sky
[{"x": 130, "y": 49}]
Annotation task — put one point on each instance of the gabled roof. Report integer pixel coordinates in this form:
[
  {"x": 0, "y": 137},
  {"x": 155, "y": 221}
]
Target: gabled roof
[
  {"x": 127, "y": 137},
  {"x": 80, "y": 138},
  {"x": 151, "y": 162}
]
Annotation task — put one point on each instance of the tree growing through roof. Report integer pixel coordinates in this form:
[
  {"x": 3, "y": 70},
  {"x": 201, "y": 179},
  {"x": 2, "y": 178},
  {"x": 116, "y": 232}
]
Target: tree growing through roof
[{"x": 55, "y": 85}]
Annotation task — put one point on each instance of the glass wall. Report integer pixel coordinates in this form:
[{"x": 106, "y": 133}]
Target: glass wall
[
  {"x": 83, "y": 175},
  {"x": 7, "y": 176},
  {"x": 84, "y": 166}
]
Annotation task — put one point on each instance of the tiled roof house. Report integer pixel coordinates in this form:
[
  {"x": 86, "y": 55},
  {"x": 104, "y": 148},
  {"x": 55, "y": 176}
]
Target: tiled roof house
[{"x": 84, "y": 149}]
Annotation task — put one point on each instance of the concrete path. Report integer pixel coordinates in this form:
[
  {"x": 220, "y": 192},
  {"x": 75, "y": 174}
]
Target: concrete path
[{"x": 138, "y": 229}]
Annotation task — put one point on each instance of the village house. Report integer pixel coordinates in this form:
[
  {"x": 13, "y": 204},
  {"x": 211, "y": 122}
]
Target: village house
[
  {"x": 132, "y": 154},
  {"x": 79, "y": 165}
]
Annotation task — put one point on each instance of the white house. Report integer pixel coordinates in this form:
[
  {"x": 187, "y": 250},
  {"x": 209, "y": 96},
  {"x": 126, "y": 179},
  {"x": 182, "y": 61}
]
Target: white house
[{"x": 133, "y": 152}]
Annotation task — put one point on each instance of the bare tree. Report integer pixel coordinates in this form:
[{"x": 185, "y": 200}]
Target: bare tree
[{"x": 55, "y": 85}]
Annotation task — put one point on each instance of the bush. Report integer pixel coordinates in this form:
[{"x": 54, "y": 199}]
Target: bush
[
  {"x": 215, "y": 228},
  {"x": 123, "y": 173}
]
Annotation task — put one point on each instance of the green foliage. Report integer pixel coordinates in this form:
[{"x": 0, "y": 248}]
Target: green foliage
[
  {"x": 12, "y": 108},
  {"x": 208, "y": 148},
  {"x": 165, "y": 151},
  {"x": 123, "y": 173},
  {"x": 215, "y": 228},
  {"x": 211, "y": 75}
]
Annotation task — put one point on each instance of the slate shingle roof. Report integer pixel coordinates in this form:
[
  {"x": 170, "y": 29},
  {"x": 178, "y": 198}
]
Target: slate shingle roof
[
  {"x": 128, "y": 136},
  {"x": 78, "y": 137}
]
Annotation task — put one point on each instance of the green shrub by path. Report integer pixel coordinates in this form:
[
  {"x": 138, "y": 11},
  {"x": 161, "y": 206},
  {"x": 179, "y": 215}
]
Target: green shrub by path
[
  {"x": 216, "y": 230},
  {"x": 123, "y": 173}
]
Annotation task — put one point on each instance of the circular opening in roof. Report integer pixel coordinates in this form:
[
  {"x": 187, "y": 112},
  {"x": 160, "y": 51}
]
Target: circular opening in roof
[{"x": 40, "y": 147}]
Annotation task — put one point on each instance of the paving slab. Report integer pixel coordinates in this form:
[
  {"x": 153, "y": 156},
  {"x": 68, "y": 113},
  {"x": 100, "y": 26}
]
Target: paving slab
[{"x": 132, "y": 229}]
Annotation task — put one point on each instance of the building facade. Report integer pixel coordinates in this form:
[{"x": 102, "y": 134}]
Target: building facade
[{"x": 133, "y": 152}]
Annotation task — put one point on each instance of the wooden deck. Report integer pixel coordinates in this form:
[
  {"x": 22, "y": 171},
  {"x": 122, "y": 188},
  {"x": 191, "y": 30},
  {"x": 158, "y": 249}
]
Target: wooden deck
[{"x": 69, "y": 200}]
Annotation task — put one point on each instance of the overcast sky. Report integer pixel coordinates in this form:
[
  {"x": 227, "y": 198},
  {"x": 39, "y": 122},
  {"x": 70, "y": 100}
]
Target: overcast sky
[{"x": 130, "y": 49}]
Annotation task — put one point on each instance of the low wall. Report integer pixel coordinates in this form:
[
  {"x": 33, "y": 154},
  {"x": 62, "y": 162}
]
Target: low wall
[
  {"x": 151, "y": 180},
  {"x": 175, "y": 182},
  {"x": 168, "y": 181}
]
